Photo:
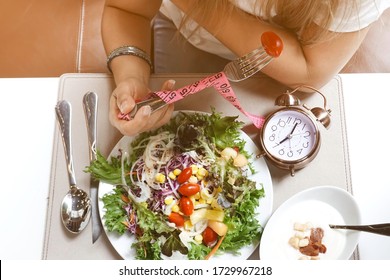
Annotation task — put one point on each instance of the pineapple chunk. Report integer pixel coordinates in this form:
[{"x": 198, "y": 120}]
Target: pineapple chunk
[{"x": 206, "y": 214}]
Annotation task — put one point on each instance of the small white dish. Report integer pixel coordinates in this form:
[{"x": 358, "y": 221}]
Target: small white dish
[{"x": 319, "y": 206}]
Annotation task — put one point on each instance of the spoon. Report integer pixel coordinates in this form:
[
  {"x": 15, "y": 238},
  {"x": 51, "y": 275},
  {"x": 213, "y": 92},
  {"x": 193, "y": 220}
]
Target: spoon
[
  {"x": 383, "y": 229},
  {"x": 76, "y": 206}
]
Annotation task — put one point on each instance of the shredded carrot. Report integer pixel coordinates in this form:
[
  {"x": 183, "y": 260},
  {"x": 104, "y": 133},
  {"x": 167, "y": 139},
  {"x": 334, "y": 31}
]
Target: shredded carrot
[
  {"x": 215, "y": 248},
  {"x": 125, "y": 223},
  {"x": 125, "y": 198}
]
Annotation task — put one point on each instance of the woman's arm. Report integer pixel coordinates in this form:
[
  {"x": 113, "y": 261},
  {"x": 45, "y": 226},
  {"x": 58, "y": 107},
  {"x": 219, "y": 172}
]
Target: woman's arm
[
  {"x": 129, "y": 23},
  {"x": 313, "y": 65}
]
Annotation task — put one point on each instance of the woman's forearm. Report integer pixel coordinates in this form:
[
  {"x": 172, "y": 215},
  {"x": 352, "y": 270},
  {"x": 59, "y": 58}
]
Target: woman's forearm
[
  {"x": 128, "y": 24},
  {"x": 314, "y": 65}
]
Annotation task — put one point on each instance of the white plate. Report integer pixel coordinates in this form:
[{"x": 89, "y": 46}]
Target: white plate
[
  {"x": 122, "y": 243},
  {"x": 320, "y": 206}
]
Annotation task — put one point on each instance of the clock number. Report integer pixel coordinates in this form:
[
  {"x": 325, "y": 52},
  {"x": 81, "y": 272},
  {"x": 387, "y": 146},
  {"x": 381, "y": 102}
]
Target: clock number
[
  {"x": 307, "y": 134},
  {"x": 281, "y": 152},
  {"x": 281, "y": 123},
  {"x": 297, "y": 120},
  {"x": 272, "y": 137},
  {"x": 299, "y": 151},
  {"x": 305, "y": 145},
  {"x": 274, "y": 128},
  {"x": 290, "y": 154}
]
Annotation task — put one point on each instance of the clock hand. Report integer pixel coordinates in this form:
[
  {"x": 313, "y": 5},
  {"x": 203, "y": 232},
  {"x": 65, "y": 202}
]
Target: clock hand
[
  {"x": 285, "y": 139},
  {"x": 289, "y": 136},
  {"x": 292, "y": 131}
]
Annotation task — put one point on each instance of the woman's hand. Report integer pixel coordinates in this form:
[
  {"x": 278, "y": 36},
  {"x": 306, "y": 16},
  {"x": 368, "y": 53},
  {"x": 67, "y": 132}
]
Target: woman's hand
[{"x": 122, "y": 101}]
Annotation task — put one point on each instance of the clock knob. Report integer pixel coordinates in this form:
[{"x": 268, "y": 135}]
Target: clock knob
[
  {"x": 322, "y": 115},
  {"x": 287, "y": 99}
]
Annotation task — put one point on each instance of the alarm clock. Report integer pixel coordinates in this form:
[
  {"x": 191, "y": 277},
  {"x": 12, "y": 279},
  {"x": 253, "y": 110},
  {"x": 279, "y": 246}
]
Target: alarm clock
[{"x": 290, "y": 137}]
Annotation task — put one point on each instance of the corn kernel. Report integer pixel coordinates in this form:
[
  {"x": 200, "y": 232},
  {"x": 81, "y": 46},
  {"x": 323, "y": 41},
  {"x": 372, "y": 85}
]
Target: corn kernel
[
  {"x": 205, "y": 194},
  {"x": 197, "y": 195},
  {"x": 175, "y": 208},
  {"x": 201, "y": 201},
  {"x": 188, "y": 225},
  {"x": 199, "y": 177},
  {"x": 193, "y": 179},
  {"x": 159, "y": 178},
  {"x": 202, "y": 172},
  {"x": 171, "y": 175},
  {"x": 219, "y": 189},
  {"x": 176, "y": 172},
  {"x": 231, "y": 180},
  {"x": 168, "y": 200},
  {"x": 198, "y": 238},
  {"x": 194, "y": 169},
  {"x": 192, "y": 198}
]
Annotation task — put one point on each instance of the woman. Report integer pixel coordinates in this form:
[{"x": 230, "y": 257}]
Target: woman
[{"x": 319, "y": 38}]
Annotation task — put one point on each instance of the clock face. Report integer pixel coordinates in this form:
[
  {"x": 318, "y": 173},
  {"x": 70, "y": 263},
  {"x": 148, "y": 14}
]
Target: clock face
[{"x": 290, "y": 135}]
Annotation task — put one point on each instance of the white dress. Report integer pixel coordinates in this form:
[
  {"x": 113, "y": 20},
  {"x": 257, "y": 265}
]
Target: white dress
[{"x": 367, "y": 12}]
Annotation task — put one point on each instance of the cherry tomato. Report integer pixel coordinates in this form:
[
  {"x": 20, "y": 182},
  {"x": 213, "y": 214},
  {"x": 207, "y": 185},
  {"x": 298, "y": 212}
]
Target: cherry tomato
[
  {"x": 272, "y": 44},
  {"x": 186, "y": 206},
  {"x": 209, "y": 237},
  {"x": 184, "y": 175},
  {"x": 189, "y": 189},
  {"x": 177, "y": 219}
]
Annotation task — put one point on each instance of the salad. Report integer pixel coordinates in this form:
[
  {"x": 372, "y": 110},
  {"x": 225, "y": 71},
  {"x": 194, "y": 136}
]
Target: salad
[{"x": 183, "y": 189}]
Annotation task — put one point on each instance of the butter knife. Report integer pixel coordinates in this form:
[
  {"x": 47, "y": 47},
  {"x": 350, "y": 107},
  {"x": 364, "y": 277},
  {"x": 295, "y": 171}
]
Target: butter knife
[{"x": 90, "y": 102}]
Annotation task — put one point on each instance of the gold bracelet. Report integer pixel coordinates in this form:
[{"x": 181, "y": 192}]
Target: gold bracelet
[{"x": 128, "y": 50}]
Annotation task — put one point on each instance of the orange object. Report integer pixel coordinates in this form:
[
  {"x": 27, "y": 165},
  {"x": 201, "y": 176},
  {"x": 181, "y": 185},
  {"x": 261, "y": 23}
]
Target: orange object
[
  {"x": 272, "y": 43},
  {"x": 189, "y": 189},
  {"x": 186, "y": 206}
]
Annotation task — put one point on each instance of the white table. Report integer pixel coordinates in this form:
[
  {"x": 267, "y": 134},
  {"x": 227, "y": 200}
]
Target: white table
[{"x": 27, "y": 121}]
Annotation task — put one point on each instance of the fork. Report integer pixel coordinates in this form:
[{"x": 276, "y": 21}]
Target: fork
[
  {"x": 247, "y": 65},
  {"x": 236, "y": 70}
]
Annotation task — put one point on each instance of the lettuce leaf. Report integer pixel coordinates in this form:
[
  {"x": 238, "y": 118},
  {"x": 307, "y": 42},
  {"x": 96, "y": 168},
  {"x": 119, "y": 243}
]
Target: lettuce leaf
[{"x": 115, "y": 216}]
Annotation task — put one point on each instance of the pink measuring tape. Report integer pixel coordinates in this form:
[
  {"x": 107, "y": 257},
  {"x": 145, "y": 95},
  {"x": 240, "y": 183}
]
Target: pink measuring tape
[
  {"x": 220, "y": 82},
  {"x": 271, "y": 43}
]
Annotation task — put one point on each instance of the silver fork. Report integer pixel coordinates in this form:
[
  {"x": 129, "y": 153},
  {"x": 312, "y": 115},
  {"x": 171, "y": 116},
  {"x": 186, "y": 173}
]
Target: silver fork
[
  {"x": 236, "y": 71},
  {"x": 247, "y": 65}
]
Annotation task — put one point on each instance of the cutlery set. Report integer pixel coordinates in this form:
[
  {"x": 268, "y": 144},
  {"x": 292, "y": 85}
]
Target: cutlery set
[{"x": 77, "y": 206}]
